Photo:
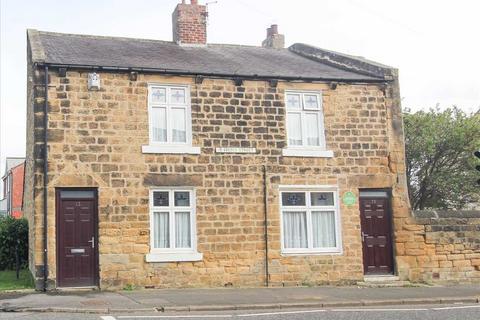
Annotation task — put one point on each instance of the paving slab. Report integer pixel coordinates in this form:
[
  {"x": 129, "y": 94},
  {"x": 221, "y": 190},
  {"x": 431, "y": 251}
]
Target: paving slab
[
  {"x": 235, "y": 298},
  {"x": 75, "y": 300}
]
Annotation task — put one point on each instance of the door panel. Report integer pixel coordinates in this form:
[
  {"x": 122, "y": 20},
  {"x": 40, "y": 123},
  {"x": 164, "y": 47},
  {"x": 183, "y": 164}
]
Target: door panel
[
  {"x": 76, "y": 245},
  {"x": 376, "y": 236}
]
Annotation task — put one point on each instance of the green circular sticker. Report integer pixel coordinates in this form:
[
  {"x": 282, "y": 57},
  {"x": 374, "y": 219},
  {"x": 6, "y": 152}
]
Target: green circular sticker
[{"x": 349, "y": 198}]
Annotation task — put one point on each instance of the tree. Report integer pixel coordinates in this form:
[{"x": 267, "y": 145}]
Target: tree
[
  {"x": 439, "y": 154},
  {"x": 13, "y": 236}
]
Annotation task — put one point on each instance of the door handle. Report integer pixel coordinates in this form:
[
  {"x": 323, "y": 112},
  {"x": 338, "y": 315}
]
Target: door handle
[
  {"x": 363, "y": 236},
  {"x": 92, "y": 242}
]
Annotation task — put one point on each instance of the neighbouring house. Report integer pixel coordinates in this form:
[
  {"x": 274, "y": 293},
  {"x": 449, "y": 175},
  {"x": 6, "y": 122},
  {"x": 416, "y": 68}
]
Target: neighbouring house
[
  {"x": 3, "y": 208},
  {"x": 13, "y": 187},
  {"x": 187, "y": 164}
]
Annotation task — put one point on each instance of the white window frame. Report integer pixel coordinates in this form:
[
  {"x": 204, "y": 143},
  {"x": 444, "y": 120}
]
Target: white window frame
[
  {"x": 169, "y": 146},
  {"x": 305, "y": 150},
  {"x": 308, "y": 208},
  {"x": 173, "y": 254}
]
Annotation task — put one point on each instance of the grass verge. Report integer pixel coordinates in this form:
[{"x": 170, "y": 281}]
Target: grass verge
[{"x": 9, "y": 281}]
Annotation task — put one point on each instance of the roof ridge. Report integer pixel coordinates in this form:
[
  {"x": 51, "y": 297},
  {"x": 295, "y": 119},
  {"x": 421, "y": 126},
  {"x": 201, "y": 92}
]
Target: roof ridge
[
  {"x": 243, "y": 46},
  {"x": 92, "y": 36}
]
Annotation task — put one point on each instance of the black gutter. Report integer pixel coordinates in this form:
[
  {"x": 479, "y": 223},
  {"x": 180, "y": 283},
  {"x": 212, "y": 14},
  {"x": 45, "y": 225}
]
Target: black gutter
[
  {"x": 209, "y": 74},
  {"x": 265, "y": 212},
  {"x": 45, "y": 183}
]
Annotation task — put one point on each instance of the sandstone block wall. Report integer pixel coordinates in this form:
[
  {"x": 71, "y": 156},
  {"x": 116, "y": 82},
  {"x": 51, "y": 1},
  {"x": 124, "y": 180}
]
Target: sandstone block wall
[
  {"x": 95, "y": 140},
  {"x": 32, "y": 204},
  {"x": 440, "y": 246}
]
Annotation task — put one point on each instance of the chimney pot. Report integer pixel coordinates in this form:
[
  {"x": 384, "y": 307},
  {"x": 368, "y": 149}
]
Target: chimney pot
[
  {"x": 274, "y": 29},
  {"x": 274, "y": 39},
  {"x": 269, "y": 32},
  {"x": 194, "y": 2}
]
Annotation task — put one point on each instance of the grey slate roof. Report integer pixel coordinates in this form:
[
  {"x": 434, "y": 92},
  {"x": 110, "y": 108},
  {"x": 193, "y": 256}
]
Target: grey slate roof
[{"x": 212, "y": 59}]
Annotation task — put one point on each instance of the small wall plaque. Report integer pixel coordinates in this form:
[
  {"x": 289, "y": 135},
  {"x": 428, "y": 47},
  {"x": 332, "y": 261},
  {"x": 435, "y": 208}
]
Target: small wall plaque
[
  {"x": 93, "y": 81},
  {"x": 349, "y": 198},
  {"x": 235, "y": 150}
]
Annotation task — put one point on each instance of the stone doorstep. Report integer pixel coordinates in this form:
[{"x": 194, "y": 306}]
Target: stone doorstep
[
  {"x": 385, "y": 281},
  {"x": 76, "y": 289},
  {"x": 326, "y": 304},
  {"x": 380, "y": 278}
]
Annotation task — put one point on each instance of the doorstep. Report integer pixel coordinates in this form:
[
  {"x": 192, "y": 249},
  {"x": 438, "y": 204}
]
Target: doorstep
[
  {"x": 380, "y": 278},
  {"x": 384, "y": 281},
  {"x": 77, "y": 289}
]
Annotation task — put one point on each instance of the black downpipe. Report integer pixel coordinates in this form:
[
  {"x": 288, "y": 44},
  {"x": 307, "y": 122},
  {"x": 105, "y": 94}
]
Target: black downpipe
[
  {"x": 45, "y": 183},
  {"x": 265, "y": 212}
]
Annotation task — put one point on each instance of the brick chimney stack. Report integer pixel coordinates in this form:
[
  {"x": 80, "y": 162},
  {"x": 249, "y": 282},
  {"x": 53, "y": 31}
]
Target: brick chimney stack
[
  {"x": 274, "y": 39},
  {"x": 190, "y": 23}
]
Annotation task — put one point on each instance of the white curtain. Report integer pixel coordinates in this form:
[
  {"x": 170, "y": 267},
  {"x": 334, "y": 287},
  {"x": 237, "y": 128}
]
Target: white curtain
[
  {"x": 294, "y": 130},
  {"x": 182, "y": 230},
  {"x": 323, "y": 225},
  {"x": 313, "y": 138},
  {"x": 177, "y": 119},
  {"x": 295, "y": 229},
  {"x": 159, "y": 125},
  {"x": 161, "y": 233}
]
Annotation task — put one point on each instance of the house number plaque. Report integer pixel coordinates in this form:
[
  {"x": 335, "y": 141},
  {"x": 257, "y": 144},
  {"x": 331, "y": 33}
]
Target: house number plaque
[{"x": 235, "y": 150}]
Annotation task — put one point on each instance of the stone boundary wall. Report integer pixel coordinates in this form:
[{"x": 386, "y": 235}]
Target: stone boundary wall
[{"x": 440, "y": 246}]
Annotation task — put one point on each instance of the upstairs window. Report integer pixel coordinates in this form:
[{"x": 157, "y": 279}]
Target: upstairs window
[
  {"x": 305, "y": 128},
  {"x": 169, "y": 113},
  {"x": 170, "y": 122}
]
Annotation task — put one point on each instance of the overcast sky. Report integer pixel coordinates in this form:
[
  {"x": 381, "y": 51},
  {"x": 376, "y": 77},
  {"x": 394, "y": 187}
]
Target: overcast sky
[{"x": 435, "y": 44}]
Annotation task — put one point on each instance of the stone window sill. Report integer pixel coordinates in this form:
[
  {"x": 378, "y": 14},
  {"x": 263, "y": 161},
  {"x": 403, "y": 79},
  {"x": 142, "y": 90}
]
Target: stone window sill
[
  {"x": 331, "y": 252},
  {"x": 305, "y": 152},
  {"x": 174, "y": 257},
  {"x": 171, "y": 149}
]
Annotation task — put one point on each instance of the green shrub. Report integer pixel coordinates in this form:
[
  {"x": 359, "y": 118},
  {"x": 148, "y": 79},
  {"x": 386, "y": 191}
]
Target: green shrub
[{"x": 13, "y": 232}]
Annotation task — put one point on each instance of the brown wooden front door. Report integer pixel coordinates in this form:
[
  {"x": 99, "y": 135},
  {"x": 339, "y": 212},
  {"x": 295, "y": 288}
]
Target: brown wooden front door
[
  {"x": 77, "y": 262},
  {"x": 376, "y": 234}
]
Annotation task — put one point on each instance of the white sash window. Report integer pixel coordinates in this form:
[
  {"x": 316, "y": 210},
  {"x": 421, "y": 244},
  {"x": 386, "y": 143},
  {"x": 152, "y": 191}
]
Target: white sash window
[
  {"x": 310, "y": 220},
  {"x": 305, "y": 125},
  {"x": 172, "y": 225},
  {"x": 170, "y": 122}
]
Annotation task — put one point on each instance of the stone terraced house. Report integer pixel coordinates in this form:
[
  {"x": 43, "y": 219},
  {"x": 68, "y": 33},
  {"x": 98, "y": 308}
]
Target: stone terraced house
[{"x": 186, "y": 164}]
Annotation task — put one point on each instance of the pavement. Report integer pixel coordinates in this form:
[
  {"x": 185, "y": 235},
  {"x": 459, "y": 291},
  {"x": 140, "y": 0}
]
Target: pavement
[
  {"x": 417, "y": 312},
  {"x": 224, "y": 299}
]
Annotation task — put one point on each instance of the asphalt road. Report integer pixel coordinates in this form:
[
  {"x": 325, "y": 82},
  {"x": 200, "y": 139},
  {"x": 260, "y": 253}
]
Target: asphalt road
[{"x": 437, "y": 312}]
